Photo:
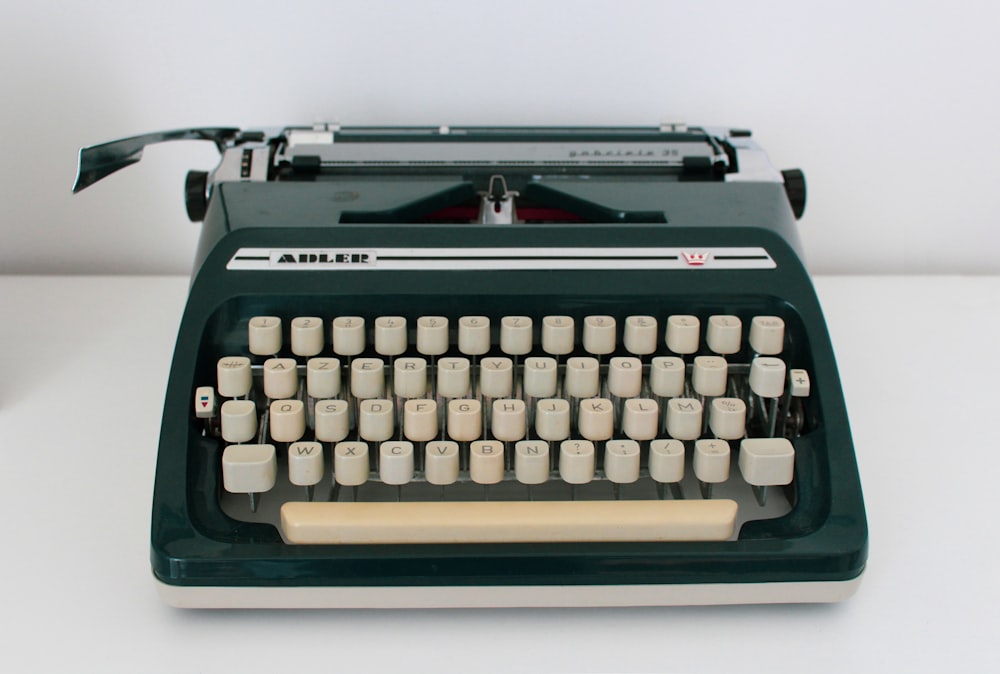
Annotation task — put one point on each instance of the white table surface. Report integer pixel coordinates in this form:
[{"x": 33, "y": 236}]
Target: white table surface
[{"x": 82, "y": 378}]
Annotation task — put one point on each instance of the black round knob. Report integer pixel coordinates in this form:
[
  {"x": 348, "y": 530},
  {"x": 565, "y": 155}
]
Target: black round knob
[
  {"x": 795, "y": 189},
  {"x": 196, "y": 195}
]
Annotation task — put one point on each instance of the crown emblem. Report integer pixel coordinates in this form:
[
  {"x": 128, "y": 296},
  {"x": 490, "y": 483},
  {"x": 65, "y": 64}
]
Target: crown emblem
[{"x": 695, "y": 259}]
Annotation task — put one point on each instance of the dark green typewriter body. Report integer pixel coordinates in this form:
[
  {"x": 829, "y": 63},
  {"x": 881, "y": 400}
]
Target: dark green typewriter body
[{"x": 609, "y": 255}]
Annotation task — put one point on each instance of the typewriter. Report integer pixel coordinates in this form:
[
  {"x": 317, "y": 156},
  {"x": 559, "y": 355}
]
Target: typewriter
[{"x": 498, "y": 367}]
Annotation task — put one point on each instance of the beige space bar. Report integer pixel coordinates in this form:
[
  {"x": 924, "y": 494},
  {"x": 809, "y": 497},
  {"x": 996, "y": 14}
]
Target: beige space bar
[{"x": 508, "y": 521}]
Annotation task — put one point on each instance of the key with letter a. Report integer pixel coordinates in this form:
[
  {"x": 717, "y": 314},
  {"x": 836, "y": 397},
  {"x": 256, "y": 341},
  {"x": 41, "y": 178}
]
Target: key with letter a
[{"x": 281, "y": 378}]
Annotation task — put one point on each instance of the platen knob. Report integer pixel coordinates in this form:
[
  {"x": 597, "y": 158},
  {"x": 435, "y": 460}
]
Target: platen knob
[
  {"x": 196, "y": 195},
  {"x": 795, "y": 188}
]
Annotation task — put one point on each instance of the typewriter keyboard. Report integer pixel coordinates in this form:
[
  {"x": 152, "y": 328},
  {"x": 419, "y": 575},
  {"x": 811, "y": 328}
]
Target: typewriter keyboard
[{"x": 388, "y": 429}]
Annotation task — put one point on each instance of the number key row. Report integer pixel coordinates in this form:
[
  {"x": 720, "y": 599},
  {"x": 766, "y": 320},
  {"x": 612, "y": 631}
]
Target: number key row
[{"x": 558, "y": 336}]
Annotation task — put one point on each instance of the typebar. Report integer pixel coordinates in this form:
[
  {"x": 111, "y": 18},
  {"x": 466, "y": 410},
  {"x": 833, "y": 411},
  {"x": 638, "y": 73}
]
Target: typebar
[{"x": 507, "y": 521}]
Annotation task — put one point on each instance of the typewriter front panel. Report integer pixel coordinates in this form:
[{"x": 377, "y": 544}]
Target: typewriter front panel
[{"x": 807, "y": 532}]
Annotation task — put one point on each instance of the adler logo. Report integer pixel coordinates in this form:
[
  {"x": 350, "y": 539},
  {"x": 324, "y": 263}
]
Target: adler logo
[{"x": 324, "y": 258}]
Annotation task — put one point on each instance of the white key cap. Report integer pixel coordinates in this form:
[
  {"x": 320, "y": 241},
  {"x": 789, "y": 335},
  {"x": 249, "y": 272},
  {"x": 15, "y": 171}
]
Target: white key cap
[
  {"x": 557, "y": 335},
  {"x": 375, "y": 420},
  {"x": 709, "y": 375},
  {"x": 541, "y": 377},
  {"x": 552, "y": 419},
  {"x": 239, "y": 420},
  {"x": 465, "y": 420},
  {"x": 625, "y": 377},
  {"x": 711, "y": 461},
  {"x": 350, "y": 463},
  {"x": 621, "y": 461},
  {"x": 305, "y": 463},
  {"x": 486, "y": 461},
  {"x": 441, "y": 462},
  {"x": 367, "y": 378},
  {"x": 684, "y": 418},
  {"x": 583, "y": 378},
  {"x": 682, "y": 334},
  {"x": 531, "y": 461},
  {"x": 515, "y": 335},
  {"x": 640, "y": 335},
  {"x": 666, "y": 460},
  {"x": 453, "y": 378},
  {"x": 420, "y": 420},
  {"x": 474, "y": 335},
  {"x": 496, "y": 377},
  {"x": 599, "y": 335},
  {"x": 281, "y": 378},
  {"x": 333, "y": 420},
  {"x": 767, "y": 377},
  {"x": 432, "y": 335},
  {"x": 724, "y": 334},
  {"x": 410, "y": 377},
  {"x": 799, "y": 383},
  {"x": 640, "y": 418},
  {"x": 666, "y": 376},
  {"x": 395, "y": 464},
  {"x": 767, "y": 461},
  {"x": 323, "y": 377},
  {"x": 307, "y": 335},
  {"x": 509, "y": 421},
  {"x": 348, "y": 335},
  {"x": 204, "y": 402},
  {"x": 727, "y": 418},
  {"x": 234, "y": 377},
  {"x": 288, "y": 420},
  {"x": 249, "y": 469},
  {"x": 576, "y": 461},
  {"x": 264, "y": 335},
  {"x": 767, "y": 335},
  {"x": 597, "y": 419},
  {"x": 390, "y": 335}
]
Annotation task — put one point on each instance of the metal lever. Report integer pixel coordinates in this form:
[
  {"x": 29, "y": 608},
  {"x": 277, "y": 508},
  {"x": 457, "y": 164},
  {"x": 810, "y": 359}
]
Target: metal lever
[
  {"x": 99, "y": 161},
  {"x": 497, "y": 205}
]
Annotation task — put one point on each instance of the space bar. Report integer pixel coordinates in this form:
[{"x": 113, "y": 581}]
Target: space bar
[{"x": 507, "y": 521}]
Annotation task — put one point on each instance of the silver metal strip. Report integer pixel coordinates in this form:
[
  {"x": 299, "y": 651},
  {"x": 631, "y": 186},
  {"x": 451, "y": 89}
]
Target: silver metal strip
[
  {"x": 454, "y": 259},
  {"x": 499, "y": 154}
]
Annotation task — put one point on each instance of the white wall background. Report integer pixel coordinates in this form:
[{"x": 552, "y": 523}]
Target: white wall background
[{"x": 889, "y": 107}]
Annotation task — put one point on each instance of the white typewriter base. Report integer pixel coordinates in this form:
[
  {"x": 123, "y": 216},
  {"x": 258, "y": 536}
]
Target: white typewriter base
[{"x": 507, "y": 596}]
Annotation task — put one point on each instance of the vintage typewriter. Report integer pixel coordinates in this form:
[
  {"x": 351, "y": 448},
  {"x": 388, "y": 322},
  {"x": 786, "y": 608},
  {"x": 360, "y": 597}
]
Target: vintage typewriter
[{"x": 499, "y": 367}]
